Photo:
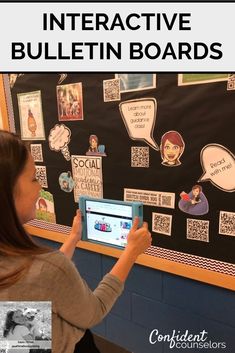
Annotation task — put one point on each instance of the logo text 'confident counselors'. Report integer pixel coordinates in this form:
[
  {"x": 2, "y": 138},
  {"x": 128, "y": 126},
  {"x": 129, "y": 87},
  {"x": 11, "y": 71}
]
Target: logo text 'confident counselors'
[{"x": 185, "y": 340}]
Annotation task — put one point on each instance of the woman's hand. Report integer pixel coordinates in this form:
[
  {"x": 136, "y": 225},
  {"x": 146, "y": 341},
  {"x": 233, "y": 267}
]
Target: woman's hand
[
  {"x": 75, "y": 235},
  {"x": 138, "y": 239},
  {"x": 76, "y": 231}
]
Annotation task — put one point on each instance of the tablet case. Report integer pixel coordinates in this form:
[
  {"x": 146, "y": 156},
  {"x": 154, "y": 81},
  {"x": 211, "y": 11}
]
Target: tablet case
[{"x": 105, "y": 227}]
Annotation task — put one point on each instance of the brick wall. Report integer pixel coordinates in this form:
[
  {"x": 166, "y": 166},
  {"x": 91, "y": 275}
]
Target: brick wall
[{"x": 157, "y": 300}]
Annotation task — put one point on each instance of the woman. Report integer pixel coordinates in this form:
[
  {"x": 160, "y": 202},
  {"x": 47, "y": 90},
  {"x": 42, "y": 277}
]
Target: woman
[
  {"x": 30, "y": 272},
  {"x": 15, "y": 329}
]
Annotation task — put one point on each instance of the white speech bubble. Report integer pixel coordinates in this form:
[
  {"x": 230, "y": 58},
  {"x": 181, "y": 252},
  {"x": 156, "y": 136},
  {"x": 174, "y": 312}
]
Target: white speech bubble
[
  {"x": 59, "y": 139},
  {"x": 218, "y": 164},
  {"x": 139, "y": 117}
]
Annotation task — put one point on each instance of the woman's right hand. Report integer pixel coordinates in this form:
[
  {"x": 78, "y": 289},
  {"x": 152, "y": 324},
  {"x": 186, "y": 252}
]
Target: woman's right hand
[{"x": 138, "y": 239}]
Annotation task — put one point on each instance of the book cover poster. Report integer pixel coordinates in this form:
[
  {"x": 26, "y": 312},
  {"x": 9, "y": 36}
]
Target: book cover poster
[
  {"x": 31, "y": 116},
  {"x": 70, "y": 102},
  {"x": 87, "y": 176}
]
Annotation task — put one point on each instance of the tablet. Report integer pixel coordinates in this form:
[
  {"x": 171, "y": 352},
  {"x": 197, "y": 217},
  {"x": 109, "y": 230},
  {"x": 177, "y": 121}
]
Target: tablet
[{"x": 107, "y": 221}]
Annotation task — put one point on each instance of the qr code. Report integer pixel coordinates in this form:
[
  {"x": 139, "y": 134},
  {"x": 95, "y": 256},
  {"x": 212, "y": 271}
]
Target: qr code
[
  {"x": 167, "y": 201},
  {"x": 111, "y": 89},
  {"x": 36, "y": 152},
  {"x": 227, "y": 223},
  {"x": 140, "y": 157},
  {"x": 161, "y": 223},
  {"x": 41, "y": 176},
  {"x": 231, "y": 82},
  {"x": 198, "y": 229}
]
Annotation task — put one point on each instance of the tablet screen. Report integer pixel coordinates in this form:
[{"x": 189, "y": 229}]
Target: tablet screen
[{"x": 108, "y": 222}]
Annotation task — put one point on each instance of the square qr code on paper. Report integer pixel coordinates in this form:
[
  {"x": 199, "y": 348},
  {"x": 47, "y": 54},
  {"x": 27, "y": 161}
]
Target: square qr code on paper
[
  {"x": 36, "y": 152},
  {"x": 140, "y": 157},
  {"x": 227, "y": 223},
  {"x": 161, "y": 223},
  {"x": 111, "y": 89},
  {"x": 41, "y": 176},
  {"x": 198, "y": 229}
]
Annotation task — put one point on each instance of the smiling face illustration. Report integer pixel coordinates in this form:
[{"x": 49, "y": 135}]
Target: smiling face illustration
[
  {"x": 171, "y": 152},
  {"x": 172, "y": 147}
]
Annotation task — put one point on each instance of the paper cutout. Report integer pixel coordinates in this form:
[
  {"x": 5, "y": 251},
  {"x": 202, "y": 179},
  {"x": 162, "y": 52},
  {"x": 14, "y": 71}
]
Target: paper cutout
[
  {"x": 45, "y": 210},
  {"x": 139, "y": 117},
  {"x": 195, "y": 202},
  {"x": 87, "y": 176},
  {"x": 95, "y": 149},
  {"x": 62, "y": 78},
  {"x": 59, "y": 139},
  {"x": 218, "y": 164},
  {"x": 66, "y": 182},
  {"x": 171, "y": 147}
]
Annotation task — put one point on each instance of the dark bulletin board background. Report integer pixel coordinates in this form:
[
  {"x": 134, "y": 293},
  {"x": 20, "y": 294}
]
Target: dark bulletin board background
[{"x": 201, "y": 113}]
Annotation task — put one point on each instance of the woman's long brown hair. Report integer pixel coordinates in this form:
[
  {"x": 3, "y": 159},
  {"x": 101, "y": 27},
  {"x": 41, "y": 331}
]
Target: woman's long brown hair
[{"x": 14, "y": 240}]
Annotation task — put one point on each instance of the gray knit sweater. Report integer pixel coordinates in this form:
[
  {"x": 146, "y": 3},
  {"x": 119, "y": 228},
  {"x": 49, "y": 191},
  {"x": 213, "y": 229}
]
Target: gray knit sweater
[{"x": 53, "y": 277}]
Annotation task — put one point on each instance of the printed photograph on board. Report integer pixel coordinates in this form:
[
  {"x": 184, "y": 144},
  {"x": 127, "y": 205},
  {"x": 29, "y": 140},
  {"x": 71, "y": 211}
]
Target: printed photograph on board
[
  {"x": 136, "y": 82},
  {"x": 194, "y": 79},
  {"x": 70, "y": 102}
]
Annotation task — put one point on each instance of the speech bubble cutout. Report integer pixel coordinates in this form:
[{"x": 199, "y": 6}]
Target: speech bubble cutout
[
  {"x": 218, "y": 164},
  {"x": 59, "y": 139},
  {"x": 139, "y": 116}
]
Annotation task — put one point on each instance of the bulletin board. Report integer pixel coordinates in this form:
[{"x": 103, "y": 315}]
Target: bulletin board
[{"x": 166, "y": 140}]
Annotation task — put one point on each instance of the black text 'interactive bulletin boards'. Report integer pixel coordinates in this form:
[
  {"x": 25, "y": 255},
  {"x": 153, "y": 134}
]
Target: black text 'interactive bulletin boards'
[{"x": 166, "y": 140}]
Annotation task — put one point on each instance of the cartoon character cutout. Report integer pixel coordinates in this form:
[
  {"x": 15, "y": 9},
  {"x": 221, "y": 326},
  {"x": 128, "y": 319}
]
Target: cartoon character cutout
[
  {"x": 171, "y": 148},
  {"x": 66, "y": 182},
  {"x": 195, "y": 202},
  {"x": 95, "y": 149}
]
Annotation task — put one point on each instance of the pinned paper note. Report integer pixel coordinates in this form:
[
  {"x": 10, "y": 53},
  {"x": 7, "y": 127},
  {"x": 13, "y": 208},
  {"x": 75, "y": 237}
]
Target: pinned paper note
[{"x": 59, "y": 139}]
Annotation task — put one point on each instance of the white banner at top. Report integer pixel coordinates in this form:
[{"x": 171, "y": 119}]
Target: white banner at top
[{"x": 99, "y": 37}]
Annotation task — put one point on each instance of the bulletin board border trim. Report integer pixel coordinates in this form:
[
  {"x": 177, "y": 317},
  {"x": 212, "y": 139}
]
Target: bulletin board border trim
[
  {"x": 8, "y": 103},
  {"x": 194, "y": 267},
  {"x": 172, "y": 255}
]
